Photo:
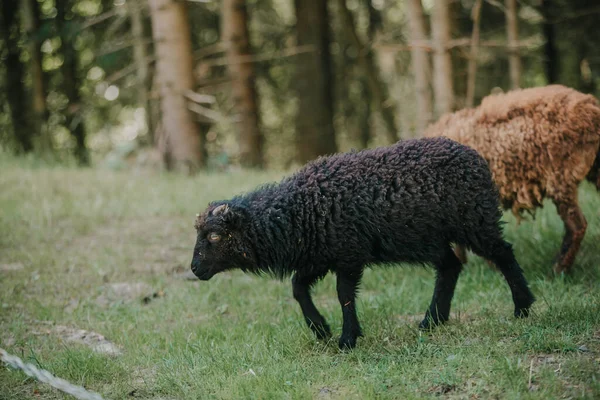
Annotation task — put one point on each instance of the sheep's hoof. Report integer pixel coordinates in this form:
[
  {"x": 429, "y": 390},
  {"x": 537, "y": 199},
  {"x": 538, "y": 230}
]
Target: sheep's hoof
[
  {"x": 322, "y": 331},
  {"x": 429, "y": 323},
  {"x": 522, "y": 312},
  {"x": 560, "y": 269},
  {"x": 347, "y": 342}
]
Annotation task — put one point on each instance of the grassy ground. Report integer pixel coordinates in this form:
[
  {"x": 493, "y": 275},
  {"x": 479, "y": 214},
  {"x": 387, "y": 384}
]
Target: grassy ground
[{"x": 68, "y": 236}]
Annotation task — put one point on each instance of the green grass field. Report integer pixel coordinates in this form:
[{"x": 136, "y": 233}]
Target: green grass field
[{"x": 67, "y": 236}]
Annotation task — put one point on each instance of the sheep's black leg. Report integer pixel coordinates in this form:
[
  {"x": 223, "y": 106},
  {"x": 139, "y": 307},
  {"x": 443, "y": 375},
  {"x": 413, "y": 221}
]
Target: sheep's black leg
[
  {"x": 504, "y": 258},
  {"x": 347, "y": 286},
  {"x": 575, "y": 226},
  {"x": 448, "y": 271},
  {"x": 301, "y": 288}
]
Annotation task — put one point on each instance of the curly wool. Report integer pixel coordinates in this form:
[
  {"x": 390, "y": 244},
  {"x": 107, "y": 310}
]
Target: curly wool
[
  {"x": 400, "y": 203},
  {"x": 539, "y": 142}
]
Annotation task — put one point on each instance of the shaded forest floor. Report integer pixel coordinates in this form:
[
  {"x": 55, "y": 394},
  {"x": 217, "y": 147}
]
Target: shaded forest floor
[{"x": 108, "y": 252}]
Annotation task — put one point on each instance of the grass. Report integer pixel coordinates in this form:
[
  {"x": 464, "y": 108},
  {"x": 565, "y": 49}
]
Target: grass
[{"x": 76, "y": 232}]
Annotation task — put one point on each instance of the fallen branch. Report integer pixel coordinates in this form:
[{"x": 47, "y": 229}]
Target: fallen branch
[
  {"x": 116, "y": 25},
  {"x": 212, "y": 115},
  {"x": 222, "y": 61},
  {"x": 462, "y": 42},
  {"x": 218, "y": 47},
  {"x": 120, "y": 46},
  {"x": 127, "y": 70},
  {"x": 99, "y": 18},
  {"x": 199, "y": 98},
  {"x": 496, "y": 4}
]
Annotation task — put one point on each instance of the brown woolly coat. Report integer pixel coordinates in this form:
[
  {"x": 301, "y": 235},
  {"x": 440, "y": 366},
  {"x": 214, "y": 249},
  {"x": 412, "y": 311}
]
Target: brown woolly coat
[{"x": 539, "y": 142}]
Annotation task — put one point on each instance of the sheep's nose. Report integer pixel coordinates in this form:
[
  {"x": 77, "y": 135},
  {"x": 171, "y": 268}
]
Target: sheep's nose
[{"x": 195, "y": 265}]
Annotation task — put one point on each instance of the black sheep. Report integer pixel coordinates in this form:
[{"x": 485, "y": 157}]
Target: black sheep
[{"x": 405, "y": 203}]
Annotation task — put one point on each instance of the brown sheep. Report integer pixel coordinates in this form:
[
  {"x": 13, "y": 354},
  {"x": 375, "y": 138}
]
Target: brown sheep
[{"x": 539, "y": 142}]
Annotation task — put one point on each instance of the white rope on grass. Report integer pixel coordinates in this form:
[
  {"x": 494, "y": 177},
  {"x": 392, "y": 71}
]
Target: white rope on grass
[{"x": 44, "y": 376}]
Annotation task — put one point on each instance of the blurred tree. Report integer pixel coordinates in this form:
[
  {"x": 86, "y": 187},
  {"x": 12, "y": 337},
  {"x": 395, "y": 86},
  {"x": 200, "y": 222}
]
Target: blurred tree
[
  {"x": 472, "y": 67},
  {"x": 420, "y": 63},
  {"x": 34, "y": 37},
  {"x": 353, "y": 103},
  {"x": 364, "y": 115},
  {"x": 315, "y": 133},
  {"x": 377, "y": 88},
  {"x": 574, "y": 24},
  {"x": 442, "y": 62},
  {"x": 135, "y": 9},
  {"x": 91, "y": 70},
  {"x": 550, "y": 56},
  {"x": 241, "y": 70},
  {"x": 181, "y": 143},
  {"x": 15, "y": 89},
  {"x": 74, "y": 119},
  {"x": 512, "y": 33}
]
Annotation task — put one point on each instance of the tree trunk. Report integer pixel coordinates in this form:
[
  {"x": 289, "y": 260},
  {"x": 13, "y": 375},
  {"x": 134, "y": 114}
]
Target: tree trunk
[
  {"x": 472, "y": 68},
  {"x": 512, "y": 32},
  {"x": 550, "y": 59},
  {"x": 31, "y": 25},
  {"x": 70, "y": 84},
  {"x": 140, "y": 56},
  {"x": 174, "y": 73},
  {"x": 442, "y": 62},
  {"x": 366, "y": 61},
  {"x": 364, "y": 117},
  {"x": 420, "y": 63},
  {"x": 315, "y": 134},
  {"x": 365, "y": 125},
  {"x": 375, "y": 20},
  {"x": 234, "y": 34},
  {"x": 15, "y": 94}
]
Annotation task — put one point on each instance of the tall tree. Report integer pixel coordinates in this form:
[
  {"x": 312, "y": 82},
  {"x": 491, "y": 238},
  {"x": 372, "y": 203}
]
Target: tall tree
[
  {"x": 472, "y": 67},
  {"x": 135, "y": 9},
  {"x": 31, "y": 25},
  {"x": 442, "y": 62},
  {"x": 15, "y": 93},
  {"x": 67, "y": 30},
  {"x": 366, "y": 60},
  {"x": 364, "y": 114},
  {"x": 315, "y": 133},
  {"x": 512, "y": 33},
  {"x": 420, "y": 63},
  {"x": 234, "y": 34},
  {"x": 182, "y": 143},
  {"x": 550, "y": 54}
]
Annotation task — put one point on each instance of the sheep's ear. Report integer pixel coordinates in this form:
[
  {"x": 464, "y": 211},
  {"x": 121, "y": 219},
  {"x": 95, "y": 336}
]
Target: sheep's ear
[
  {"x": 231, "y": 215},
  {"x": 235, "y": 217}
]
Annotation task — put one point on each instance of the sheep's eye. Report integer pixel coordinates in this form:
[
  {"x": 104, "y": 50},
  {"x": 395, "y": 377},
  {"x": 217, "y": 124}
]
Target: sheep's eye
[{"x": 213, "y": 237}]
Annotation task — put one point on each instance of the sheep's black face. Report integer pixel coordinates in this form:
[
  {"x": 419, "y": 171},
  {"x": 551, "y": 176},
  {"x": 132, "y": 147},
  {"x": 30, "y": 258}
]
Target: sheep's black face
[{"x": 222, "y": 243}]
